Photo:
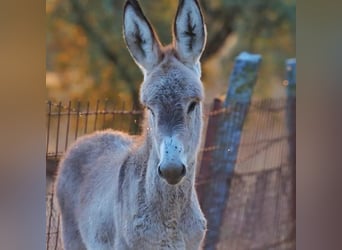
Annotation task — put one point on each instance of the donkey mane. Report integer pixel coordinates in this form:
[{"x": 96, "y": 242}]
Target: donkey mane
[{"x": 117, "y": 191}]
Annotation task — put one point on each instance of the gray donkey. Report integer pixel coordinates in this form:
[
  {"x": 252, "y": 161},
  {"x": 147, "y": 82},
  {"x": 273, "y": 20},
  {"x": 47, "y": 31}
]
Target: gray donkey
[{"x": 120, "y": 192}]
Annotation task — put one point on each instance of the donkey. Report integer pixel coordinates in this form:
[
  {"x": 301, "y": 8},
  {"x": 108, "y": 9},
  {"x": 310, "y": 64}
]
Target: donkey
[{"x": 120, "y": 192}]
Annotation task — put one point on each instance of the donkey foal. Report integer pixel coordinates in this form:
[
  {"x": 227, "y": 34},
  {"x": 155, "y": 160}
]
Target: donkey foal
[{"x": 120, "y": 192}]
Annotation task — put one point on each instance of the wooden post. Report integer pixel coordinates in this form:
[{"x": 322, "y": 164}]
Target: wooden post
[
  {"x": 291, "y": 125},
  {"x": 204, "y": 175},
  {"x": 291, "y": 105},
  {"x": 291, "y": 75},
  {"x": 226, "y": 143}
]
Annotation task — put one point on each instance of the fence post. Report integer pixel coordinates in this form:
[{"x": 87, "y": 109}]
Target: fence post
[
  {"x": 291, "y": 125},
  {"x": 291, "y": 105},
  {"x": 227, "y": 141},
  {"x": 204, "y": 171}
]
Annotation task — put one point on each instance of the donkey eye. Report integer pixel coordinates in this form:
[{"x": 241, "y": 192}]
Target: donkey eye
[
  {"x": 192, "y": 106},
  {"x": 150, "y": 110}
]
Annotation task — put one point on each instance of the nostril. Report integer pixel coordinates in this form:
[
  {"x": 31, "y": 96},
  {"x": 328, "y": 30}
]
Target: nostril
[
  {"x": 183, "y": 170},
  {"x": 160, "y": 172}
]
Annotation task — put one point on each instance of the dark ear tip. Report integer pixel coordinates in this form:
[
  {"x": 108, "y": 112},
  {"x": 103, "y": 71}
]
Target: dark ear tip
[
  {"x": 136, "y": 7},
  {"x": 133, "y": 3}
]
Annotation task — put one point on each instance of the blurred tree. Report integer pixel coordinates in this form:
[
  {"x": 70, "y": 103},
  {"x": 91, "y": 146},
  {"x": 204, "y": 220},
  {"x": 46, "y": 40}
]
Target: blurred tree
[{"x": 86, "y": 51}]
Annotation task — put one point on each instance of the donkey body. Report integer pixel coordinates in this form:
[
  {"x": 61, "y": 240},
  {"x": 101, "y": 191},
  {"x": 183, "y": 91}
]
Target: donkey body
[{"x": 120, "y": 192}]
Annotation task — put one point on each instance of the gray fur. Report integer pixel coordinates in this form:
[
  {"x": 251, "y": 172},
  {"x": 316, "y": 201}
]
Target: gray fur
[{"x": 109, "y": 190}]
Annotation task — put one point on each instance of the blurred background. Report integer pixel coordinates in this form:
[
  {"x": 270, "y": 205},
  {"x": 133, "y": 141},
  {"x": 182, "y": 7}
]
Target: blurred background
[{"x": 86, "y": 58}]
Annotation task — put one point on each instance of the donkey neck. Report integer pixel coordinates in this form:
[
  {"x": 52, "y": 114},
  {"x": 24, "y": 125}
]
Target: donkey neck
[{"x": 167, "y": 201}]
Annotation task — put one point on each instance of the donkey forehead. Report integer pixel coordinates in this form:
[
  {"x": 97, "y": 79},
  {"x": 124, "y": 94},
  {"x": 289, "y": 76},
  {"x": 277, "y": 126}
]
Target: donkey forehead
[{"x": 171, "y": 84}]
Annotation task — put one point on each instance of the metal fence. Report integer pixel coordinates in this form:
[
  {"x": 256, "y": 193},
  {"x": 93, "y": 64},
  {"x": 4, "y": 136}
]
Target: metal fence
[{"x": 259, "y": 210}]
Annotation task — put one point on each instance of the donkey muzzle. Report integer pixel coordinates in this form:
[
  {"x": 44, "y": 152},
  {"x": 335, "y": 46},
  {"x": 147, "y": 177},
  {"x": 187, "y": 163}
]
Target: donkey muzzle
[{"x": 172, "y": 172}]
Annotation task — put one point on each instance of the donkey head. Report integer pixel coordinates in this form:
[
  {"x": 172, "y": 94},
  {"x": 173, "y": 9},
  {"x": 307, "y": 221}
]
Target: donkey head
[{"x": 172, "y": 90}]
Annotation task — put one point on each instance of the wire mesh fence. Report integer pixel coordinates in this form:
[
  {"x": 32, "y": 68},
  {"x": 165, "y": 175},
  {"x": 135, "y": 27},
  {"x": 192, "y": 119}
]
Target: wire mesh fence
[
  {"x": 65, "y": 123},
  {"x": 259, "y": 210},
  {"x": 53, "y": 227}
]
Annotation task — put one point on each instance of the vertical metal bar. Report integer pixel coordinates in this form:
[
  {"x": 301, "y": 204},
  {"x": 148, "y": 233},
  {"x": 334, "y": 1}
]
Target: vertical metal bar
[
  {"x": 280, "y": 133},
  {"x": 136, "y": 120},
  {"x": 57, "y": 232},
  {"x": 96, "y": 113},
  {"x": 68, "y": 127},
  {"x": 269, "y": 135},
  {"x": 132, "y": 121},
  {"x": 257, "y": 129},
  {"x": 281, "y": 150},
  {"x": 123, "y": 115},
  {"x": 58, "y": 126},
  {"x": 86, "y": 119},
  {"x": 273, "y": 154},
  {"x": 113, "y": 117},
  {"x": 48, "y": 128},
  {"x": 104, "y": 114},
  {"x": 49, "y": 224},
  {"x": 77, "y": 118}
]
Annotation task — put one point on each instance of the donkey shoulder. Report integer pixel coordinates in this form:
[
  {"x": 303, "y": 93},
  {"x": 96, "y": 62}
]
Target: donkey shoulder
[
  {"x": 97, "y": 150},
  {"x": 103, "y": 144}
]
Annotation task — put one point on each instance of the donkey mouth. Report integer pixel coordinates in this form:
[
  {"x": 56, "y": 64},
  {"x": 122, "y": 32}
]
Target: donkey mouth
[{"x": 173, "y": 181}]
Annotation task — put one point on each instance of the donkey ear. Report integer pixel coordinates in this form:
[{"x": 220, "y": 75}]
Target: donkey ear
[
  {"x": 189, "y": 31},
  {"x": 140, "y": 38}
]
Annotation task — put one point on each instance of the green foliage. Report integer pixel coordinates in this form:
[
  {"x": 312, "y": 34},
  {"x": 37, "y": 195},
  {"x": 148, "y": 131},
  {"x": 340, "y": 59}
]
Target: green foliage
[{"x": 87, "y": 55}]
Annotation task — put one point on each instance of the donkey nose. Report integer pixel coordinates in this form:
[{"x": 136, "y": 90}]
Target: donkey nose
[{"x": 172, "y": 172}]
